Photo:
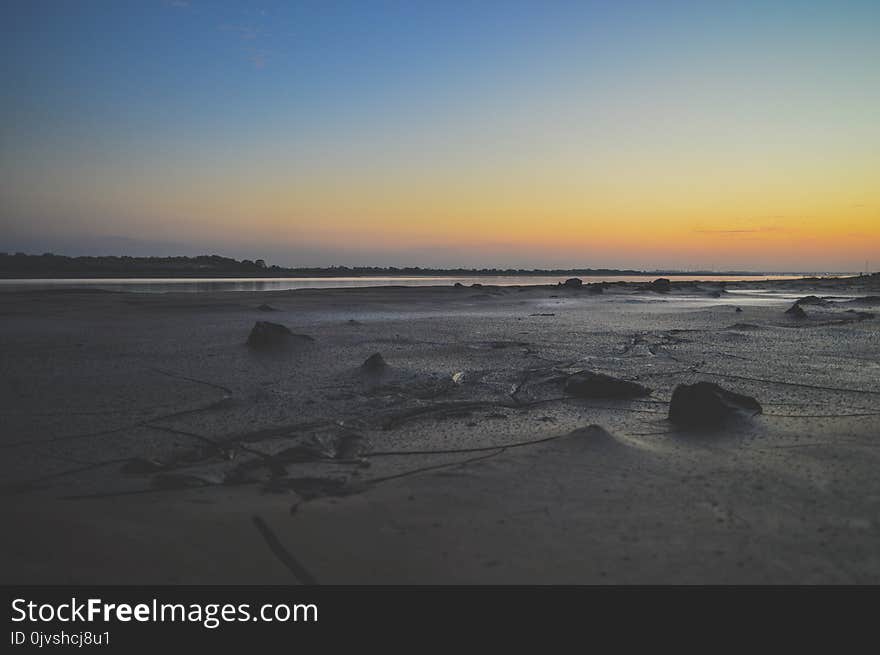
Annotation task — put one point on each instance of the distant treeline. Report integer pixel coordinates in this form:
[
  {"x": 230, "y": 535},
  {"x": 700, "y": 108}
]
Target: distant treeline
[{"x": 51, "y": 265}]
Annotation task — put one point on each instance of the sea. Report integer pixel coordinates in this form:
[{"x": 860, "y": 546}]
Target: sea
[{"x": 199, "y": 285}]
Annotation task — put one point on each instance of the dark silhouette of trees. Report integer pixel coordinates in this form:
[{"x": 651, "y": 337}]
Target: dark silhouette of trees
[{"x": 51, "y": 265}]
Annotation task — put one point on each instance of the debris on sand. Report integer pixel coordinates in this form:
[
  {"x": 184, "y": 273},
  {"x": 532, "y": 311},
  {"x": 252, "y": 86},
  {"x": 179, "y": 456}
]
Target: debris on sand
[
  {"x": 310, "y": 488},
  {"x": 573, "y": 283},
  {"x": 660, "y": 285},
  {"x": 313, "y": 449},
  {"x": 188, "y": 479},
  {"x": 142, "y": 466},
  {"x": 588, "y": 384},
  {"x": 266, "y": 308},
  {"x": 348, "y": 445},
  {"x": 796, "y": 311},
  {"x": 858, "y": 316},
  {"x": 870, "y": 301},
  {"x": 375, "y": 363},
  {"x": 267, "y": 335},
  {"x": 351, "y": 445},
  {"x": 705, "y": 404}
]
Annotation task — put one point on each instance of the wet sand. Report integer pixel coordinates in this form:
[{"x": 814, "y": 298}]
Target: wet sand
[{"x": 144, "y": 442}]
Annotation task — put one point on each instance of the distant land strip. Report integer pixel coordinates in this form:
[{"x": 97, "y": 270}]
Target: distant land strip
[{"x": 48, "y": 265}]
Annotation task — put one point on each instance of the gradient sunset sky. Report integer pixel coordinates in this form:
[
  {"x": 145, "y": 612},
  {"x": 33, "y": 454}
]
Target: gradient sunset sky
[{"x": 516, "y": 134}]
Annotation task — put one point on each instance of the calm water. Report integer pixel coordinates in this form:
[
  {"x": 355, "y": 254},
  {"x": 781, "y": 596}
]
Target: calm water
[{"x": 195, "y": 285}]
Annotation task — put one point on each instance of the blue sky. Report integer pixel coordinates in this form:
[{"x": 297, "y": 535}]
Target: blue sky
[{"x": 374, "y": 132}]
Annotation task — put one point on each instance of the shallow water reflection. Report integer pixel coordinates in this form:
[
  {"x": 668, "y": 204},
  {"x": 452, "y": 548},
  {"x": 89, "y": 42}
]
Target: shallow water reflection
[{"x": 197, "y": 285}]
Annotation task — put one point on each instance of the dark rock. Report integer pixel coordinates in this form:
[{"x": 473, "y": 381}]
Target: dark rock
[
  {"x": 265, "y": 334},
  {"x": 587, "y": 384},
  {"x": 458, "y": 285},
  {"x": 375, "y": 363},
  {"x": 715, "y": 294},
  {"x": 476, "y": 285},
  {"x": 706, "y": 404},
  {"x": 596, "y": 288},
  {"x": 660, "y": 285},
  {"x": 268, "y": 335},
  {"x": 573, "y": 283},
  {"x": 266, "y": 308},
  {"x": 739, "y": 310},
  {"x": 796, "y": 311}
]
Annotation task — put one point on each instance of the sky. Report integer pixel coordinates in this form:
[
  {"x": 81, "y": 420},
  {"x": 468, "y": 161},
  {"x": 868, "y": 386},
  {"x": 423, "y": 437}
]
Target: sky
[{"x": 686, "y": 135}]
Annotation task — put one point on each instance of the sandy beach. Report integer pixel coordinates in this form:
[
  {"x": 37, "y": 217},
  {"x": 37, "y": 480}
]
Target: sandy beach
[{"x": 144, "y": 441}]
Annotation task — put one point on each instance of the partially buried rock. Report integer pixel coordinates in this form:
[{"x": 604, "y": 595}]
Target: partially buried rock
[
  {"x": 573, "y": 283},
  {"x": 375, "y": 363},
  {"x": 268, "y": 335},
  {"x": 596, "y": 287},
  {"x": 266, "y": 308},
  {"x": 587, "y": 384},
  {"x": 811, "y": 300},
  {"x": 705, "y": 404},
  {"x": 739, "y": 310},
  {"x": 796, "y": 311}
]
